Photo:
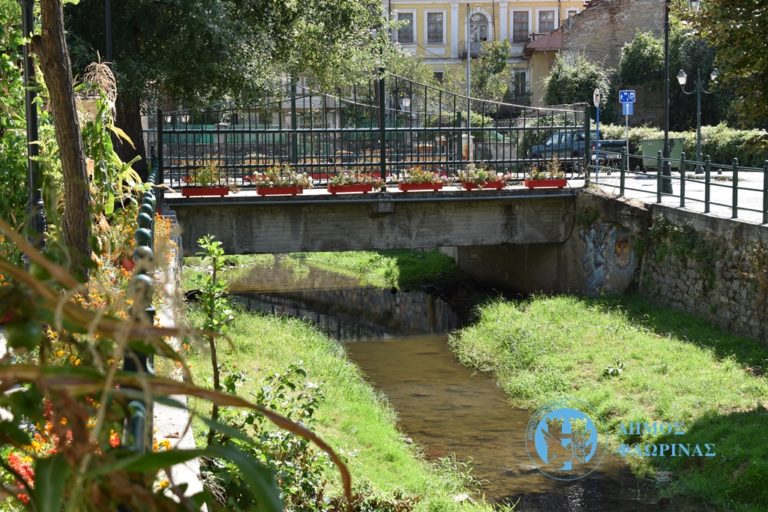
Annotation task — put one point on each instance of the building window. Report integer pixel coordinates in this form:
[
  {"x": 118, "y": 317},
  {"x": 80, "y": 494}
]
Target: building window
[
  {"x": 520, "y": 28},
  {"x": 405, "y": 33},
  {"x": 434, "y": 28},
  {"x": 439, "y": 75},
  {"x": 519, "y": 83},
  {"x": 546, "y": 22},
  {"x": 572, "y": 12},
  {"x": 478, "y": 27}
]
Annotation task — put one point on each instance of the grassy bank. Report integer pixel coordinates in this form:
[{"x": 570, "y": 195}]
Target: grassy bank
[
  {"x": 400, "y": 269},
  {"x": 673, "y": 368},
  {"x": 351, "y": 417}
]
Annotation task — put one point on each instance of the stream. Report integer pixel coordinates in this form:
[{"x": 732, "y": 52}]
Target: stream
[{"x": 400, "y": 341}]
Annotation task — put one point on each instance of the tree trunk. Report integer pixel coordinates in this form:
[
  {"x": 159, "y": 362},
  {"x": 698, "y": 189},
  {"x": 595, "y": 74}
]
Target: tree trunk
[
  {"x": 129, "y": 119},
  {"x": 51, "y": 48}
]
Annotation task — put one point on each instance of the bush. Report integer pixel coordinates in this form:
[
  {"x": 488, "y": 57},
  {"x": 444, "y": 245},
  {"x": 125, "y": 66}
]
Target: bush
[
  {"x": 574, "y": 80},
  {"x": 720, "y": 142},
  {"x": 642, "y": 60}
]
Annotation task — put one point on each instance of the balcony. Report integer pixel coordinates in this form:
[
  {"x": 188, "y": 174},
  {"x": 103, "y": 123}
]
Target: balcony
[{"x": 475, "y": 49}]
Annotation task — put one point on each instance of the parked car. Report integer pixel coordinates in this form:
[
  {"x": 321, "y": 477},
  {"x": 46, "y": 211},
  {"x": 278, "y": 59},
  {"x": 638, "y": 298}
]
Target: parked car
[{"x": 569, "y": 144}]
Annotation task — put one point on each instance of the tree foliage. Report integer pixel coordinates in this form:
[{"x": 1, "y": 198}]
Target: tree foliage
[
  {"x": 737, "y": 29},
  {"x": 489, "y": 73},
  {"x": 642, "y": 60},
  {"x": 574, "y": 80}
]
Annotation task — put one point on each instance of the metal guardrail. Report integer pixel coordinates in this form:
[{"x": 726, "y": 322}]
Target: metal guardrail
[
  {"x": 708, "y": 178},
  {"x": 138, "y": 428},
  {"x": 383, "y": 127}
]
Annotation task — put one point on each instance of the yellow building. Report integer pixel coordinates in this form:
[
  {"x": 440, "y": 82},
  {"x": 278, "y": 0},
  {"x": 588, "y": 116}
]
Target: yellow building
[{"x": 444, "y": 33}]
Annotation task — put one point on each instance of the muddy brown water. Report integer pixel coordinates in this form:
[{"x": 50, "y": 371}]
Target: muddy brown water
[{"x": 399, "y": 340}]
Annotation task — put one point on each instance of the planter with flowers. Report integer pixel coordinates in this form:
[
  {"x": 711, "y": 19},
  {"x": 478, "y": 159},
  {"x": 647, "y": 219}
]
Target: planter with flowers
[
  {"x": 551, "y": 175},
  {"x": 418, "y": 178},
  {"x": 353, "y": 181},
  {"x": 204, "y": 181},
  {"x": 279, "y": 180},
  {"x": 476, "y": 177}
]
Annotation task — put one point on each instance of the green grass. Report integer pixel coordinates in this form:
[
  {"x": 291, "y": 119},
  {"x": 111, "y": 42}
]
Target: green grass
[
  {"x": 400, "y": 269},
  {"x": 676, "y": 368},
  {"x": 352, "y": 417}
]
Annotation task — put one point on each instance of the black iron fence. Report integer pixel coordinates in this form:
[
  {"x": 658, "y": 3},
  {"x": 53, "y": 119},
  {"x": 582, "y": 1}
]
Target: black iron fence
[
  {"x": 733, "y": 190},
  {"x": 384, "y": 127}
]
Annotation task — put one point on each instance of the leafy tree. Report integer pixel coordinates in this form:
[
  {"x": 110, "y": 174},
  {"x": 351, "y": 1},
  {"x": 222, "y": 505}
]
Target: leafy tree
[
  {"x": 737, "y": 29},
  {"x": 573, "y": 81},
  {"x": 490, "y": 73},
  {"x": 194, "y": 51},
  {"x": 642, "y": 60}
]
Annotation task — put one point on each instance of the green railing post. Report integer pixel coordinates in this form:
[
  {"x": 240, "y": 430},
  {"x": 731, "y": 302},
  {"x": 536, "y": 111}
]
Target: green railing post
[
  {"x": 294, "y": 126},
  {"x": 623, "y": 174},
  {"x": 682, "y": 180},
  {"x": 383, "y": 127},
  {"x": 160, "y": 163},
  {"x": 765, "y": 192},
  {"x": 707, "y": 181},
  {"x": 658, "y": 177},
  {"x": 735, "y": 200}
]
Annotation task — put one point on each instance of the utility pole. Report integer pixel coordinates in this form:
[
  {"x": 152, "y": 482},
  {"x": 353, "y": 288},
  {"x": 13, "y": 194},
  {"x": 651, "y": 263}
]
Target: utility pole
[
  {"x": 666, "y": 181},
  {"x": 468, "y": 44}
]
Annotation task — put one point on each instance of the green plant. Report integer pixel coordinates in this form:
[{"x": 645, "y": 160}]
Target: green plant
[
  {"x": 216, "y": 308},
  {"x": 281, "y": 175},
  {"x": 552, "y": 169},
  {"x": 642, "y": 60},
  {"x": 574, "y": 80},
  {"x": 477, "y": 174},
  {"x": 418, "y": 174},
  {"x": 348, "y": 177},
  {"x": 205, "y": 176}
]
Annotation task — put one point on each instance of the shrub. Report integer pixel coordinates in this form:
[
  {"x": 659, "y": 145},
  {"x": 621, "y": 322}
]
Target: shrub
[
  {"x": 574, "y": 80},
  {"x": 642, "y": 60},
  {"x": 720, "y": 142}
]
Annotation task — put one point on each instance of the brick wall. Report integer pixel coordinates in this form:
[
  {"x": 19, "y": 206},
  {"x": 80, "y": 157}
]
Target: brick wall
[{"x": 600, "y": 31}]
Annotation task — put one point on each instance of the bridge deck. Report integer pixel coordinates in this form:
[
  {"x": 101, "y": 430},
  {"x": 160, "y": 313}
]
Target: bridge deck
[{"x": 392, "y": 194}]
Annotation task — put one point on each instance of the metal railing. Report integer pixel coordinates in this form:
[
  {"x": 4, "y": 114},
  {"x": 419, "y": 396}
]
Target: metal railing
[
  {"x": 383, "y": 127},
  {"x": 733, "y": 190},
  {"x": 138, "y": 428}
]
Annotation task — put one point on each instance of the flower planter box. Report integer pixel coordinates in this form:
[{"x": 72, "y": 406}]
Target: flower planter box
[
  {"x": 355, "y": 187},
  {"x": 545, "y": 183},
  {"x": 408, "y": 187},
  {"x": 280, "y": 191},
  {"x": 497, "y": 185},
  {"x": 204, "y": 191}
]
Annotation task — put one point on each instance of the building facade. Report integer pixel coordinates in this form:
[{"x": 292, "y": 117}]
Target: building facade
[{"x": 445, "y": 33}]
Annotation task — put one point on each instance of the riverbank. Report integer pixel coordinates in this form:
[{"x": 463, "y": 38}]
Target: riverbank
[
  {"x": 632, "y": 361},
  {"x": 350, "y": 416},
  {"x": 397, "y": 269}
]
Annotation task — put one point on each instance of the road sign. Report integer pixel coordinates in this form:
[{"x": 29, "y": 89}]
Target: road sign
[
  {"x": 627, "y": 96},
  {"x": 596, "y": 95},
  {"x": 627, "y": 109}
]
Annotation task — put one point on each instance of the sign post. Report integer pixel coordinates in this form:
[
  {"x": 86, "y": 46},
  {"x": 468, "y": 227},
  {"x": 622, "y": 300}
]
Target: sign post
[
  {"x": 627, "y": 99},
  {"x": 596, "y": 97}
]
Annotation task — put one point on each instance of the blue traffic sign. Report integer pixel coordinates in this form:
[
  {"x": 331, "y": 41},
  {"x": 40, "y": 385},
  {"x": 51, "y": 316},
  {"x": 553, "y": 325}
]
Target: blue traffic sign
[
  {"x": 627, "y": 96},
  {"x": 627, "y": 109}
]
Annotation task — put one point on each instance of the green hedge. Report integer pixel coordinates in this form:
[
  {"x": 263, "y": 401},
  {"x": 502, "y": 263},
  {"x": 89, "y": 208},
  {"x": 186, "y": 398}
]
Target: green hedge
[{"x": 720, "y": 142}]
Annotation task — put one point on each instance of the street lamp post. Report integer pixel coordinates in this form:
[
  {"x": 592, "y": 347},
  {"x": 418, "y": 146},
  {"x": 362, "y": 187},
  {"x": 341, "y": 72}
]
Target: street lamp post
[
  {"x": 682, "y": 79},
  {"x": 666, "y": 182}
]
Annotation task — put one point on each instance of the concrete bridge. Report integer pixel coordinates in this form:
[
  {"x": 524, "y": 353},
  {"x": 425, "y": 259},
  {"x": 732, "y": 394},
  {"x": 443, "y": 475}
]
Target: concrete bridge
[{"x": 322, "y": 222}]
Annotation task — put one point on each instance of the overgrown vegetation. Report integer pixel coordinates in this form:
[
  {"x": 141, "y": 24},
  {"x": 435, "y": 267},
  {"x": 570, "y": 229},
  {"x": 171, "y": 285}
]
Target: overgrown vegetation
[
  {"x": 673, "y": 367},
  {"x": 574, "y": 80},
  {"x": 305, "y": 375}
]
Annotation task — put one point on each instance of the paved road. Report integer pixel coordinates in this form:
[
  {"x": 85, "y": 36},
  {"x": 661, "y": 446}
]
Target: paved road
[{"x": 750, "y": 192}]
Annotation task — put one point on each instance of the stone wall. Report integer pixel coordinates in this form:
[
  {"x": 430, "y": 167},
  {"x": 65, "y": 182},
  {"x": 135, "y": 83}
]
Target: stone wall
[
  {"x": 600, "y": 31},
  {"x": 714, "y": 268}
]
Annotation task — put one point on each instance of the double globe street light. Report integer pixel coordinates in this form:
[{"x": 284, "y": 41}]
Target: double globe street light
[{"x": 682, "y": 79}]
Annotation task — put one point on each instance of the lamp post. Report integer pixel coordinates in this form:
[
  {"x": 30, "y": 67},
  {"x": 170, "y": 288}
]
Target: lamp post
[
  {"x": 35, "y": 208},
  {"x": 682, "y": 79},
  {"x": 666, "y": 182}
]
